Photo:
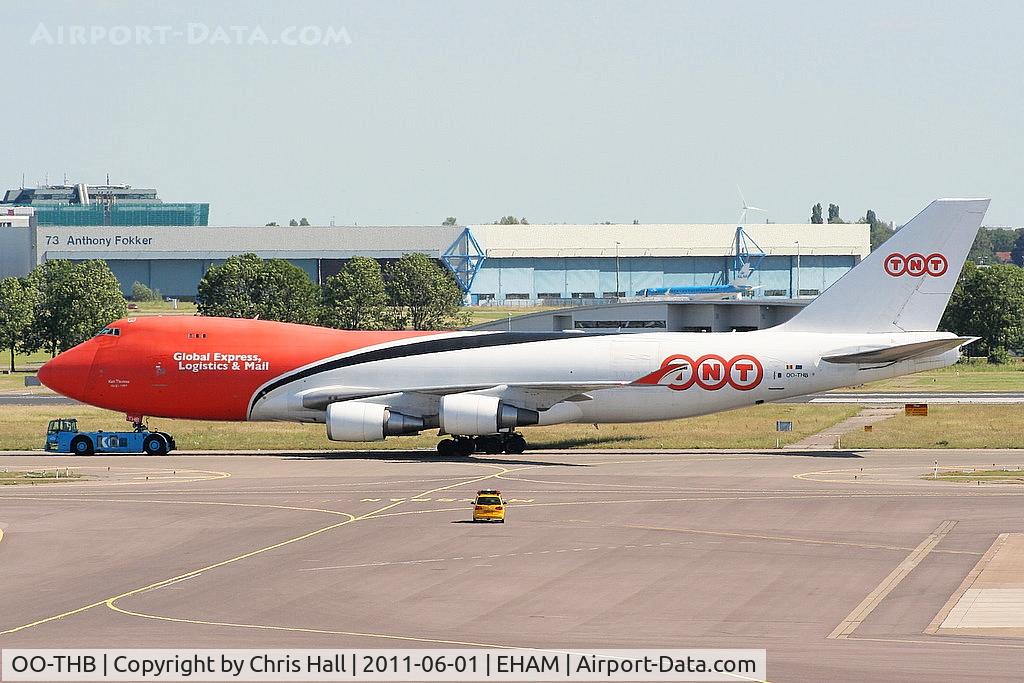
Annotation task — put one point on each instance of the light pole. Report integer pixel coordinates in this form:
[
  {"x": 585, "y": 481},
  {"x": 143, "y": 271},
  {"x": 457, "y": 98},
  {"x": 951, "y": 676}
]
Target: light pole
[{"x": 617, "y": 290}]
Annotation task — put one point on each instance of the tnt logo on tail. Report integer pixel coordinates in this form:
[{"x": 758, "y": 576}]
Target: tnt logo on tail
[
  {"x": 916, "y": 265},
  {"x": 710, "y": 372}
]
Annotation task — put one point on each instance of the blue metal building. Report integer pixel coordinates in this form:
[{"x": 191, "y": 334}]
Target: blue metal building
[{"x": 496, "y": 264}]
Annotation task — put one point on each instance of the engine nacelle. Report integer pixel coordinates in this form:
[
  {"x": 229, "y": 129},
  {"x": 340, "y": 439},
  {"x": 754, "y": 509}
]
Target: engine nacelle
[
  {"x": 353, "y": 421},
  {"x": 473, "y": 414}
]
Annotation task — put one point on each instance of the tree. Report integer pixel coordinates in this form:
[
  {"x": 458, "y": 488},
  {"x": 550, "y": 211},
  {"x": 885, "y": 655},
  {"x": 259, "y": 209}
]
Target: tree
[
  {"x": 247, "y": 286},
  {"x": 816, "y": 214},
  {"x": 74, "y": 301},
  {"x": 988, "y": 303},
  {"x": 450, "y": 221},
  {"x": 303, "y": 221},
  {"x": 833, "y": 214},
  {"x": 982, "y": 252},
  {"x": 511, "y": 220},
  {"x": 17, "y": 301},
  {"x": 1017, "y": 253},
  {"x": 424, "y": 294},
  {"x": 356, "y": 298},
  {"x": 1003, "y": 238},
  {"x": 141, "y": 292},
  {"x": 880, "y": 230}
]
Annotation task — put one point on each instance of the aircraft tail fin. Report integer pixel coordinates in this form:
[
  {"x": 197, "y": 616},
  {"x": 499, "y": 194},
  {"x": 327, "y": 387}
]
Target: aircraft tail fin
[{"x": 905, "y": 284}]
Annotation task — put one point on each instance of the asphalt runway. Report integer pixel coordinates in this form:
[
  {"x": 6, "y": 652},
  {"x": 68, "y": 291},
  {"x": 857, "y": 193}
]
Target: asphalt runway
[
  {"x": 24, "y": 398},
  {"x": 835, "y": 562}
]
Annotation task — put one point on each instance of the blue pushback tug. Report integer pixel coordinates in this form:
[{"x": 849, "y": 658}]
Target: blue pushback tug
[{"x": 62, "y": 436}]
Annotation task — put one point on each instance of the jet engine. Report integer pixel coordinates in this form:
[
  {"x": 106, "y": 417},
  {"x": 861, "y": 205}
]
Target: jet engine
[
  {"x": 473, "y": 414},
  {"x": 352, "y": 421}
]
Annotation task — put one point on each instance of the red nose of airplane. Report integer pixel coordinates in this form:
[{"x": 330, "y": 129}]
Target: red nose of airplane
[{"x": 68, "y": 373}]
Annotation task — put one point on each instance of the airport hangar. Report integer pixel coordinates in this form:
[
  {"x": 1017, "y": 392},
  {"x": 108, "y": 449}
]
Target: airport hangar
[{"x": 498, "y": 264}]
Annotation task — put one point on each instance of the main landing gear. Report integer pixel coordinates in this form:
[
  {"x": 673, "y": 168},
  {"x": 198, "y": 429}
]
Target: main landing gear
[{"x": 512, "y": 443}]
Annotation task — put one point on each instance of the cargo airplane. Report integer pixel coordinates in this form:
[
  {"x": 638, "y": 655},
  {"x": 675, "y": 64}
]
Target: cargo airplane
[{"x": 878, "y": 321}]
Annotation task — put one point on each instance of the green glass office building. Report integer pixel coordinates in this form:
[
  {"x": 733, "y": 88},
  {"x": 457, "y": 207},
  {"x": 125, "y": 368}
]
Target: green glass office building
[{"x": 85, "y": 205}]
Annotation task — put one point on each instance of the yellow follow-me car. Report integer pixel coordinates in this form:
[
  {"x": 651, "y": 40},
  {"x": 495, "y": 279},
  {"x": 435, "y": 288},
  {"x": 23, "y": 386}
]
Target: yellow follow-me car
[{"x": 489, "y": 507}]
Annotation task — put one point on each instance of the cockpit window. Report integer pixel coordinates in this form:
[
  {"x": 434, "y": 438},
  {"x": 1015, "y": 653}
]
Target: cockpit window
[{"x": 109, "y": 332}]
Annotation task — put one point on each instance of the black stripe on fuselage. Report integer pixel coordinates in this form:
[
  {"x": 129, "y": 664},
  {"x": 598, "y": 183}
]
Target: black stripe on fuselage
[{"x": 418, "y": 348}]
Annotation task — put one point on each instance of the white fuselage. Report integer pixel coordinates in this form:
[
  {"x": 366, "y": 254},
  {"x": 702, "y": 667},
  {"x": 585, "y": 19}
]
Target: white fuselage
[{"x": 790, "y": 365}]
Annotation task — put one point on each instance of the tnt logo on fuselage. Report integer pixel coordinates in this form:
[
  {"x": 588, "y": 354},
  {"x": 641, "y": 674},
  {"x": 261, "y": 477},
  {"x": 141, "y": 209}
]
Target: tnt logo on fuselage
[
  {"x": 916, "y": 265},
  {"x": 710, "y": 372}
]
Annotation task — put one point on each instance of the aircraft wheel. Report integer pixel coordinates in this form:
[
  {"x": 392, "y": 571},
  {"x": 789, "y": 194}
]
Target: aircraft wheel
[
  {"x": 446, "y": 448},
  {"x": 515, "y": 445},
  {"x": 81, "y": 445},
  {"x": 492, "y": 445},
  {"x": 155, "y": 445},
  {"x": 465, "y": 447}
]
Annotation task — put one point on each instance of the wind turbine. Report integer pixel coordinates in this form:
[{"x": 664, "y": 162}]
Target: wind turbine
[
  {"x": 743, "y": 212},
  {"x": 743, "y": 263}
]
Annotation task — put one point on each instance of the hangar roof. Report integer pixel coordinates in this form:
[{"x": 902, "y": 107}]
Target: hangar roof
[
  {"x": 693, "y": 239},
  {"x": 498, "y": 241}
]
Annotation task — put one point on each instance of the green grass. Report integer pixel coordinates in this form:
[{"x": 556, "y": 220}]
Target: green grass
[
  {"x": 744, "y": 428},
  {"x": 23, "y": 361},
  {"x": 161, "y": 308},
  {"x": 12, "y": 382},
  {"x": 974, "y": 376},
  {"x": 53, "y": 476},
  {"x": 990, "y": 476},
  {"x": 947, "y": 426},
  {"x": 24, "y": 427},
  {"x": 486, "y": 314}
]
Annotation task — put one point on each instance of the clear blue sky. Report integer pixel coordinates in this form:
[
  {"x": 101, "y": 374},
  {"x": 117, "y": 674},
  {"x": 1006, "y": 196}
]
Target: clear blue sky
[{"x": 560, "y": 112}]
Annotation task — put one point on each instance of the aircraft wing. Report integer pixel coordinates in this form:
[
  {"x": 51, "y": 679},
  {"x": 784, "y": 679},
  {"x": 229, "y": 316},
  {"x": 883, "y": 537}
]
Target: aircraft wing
[
  {"x": 893, "y": 354},
  {"x": 530, "y": 395}
]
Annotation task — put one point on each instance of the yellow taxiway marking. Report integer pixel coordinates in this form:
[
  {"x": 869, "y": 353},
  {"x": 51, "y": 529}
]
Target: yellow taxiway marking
[
  {"x": 394, "y": 563},
  {"x": 297, "y": 629},
  {"x": 270, "y": 506},
  {"x": 110, "y": 602},
  {"x": 889, "y": 583},
  {"x": 159, "y": 475},
  {"x": 190, "y": 574},
  {"x": 358, "y": 634},
  {"x": 791, "y": 539},
  {"x": 923, "y": 468},
  {"x": 704, "y": 532}
]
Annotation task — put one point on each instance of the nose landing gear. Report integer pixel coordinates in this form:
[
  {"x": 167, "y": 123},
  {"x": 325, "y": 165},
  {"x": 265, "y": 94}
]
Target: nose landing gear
[{"x": 512, "y": 443}]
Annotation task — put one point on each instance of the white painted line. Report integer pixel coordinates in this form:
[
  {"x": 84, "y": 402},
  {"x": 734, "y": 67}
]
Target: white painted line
[{"x": 889, "y": 583}]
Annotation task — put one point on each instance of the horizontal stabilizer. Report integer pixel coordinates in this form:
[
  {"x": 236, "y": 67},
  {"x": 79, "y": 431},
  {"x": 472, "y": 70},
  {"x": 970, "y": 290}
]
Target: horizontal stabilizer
[{"x": 892, "y": 354}]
